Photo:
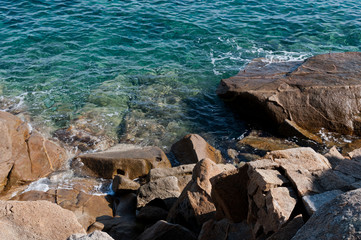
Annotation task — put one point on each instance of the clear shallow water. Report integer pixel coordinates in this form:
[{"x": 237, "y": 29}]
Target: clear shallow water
[{"x": 146, "y": 71}]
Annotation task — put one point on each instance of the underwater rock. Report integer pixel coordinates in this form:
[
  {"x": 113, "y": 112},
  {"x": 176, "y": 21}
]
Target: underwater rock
[{"x": 321, "y": 92}]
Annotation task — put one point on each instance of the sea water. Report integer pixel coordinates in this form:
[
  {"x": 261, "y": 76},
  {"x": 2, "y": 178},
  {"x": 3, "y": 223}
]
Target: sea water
[{"x": 146, "y": 71}]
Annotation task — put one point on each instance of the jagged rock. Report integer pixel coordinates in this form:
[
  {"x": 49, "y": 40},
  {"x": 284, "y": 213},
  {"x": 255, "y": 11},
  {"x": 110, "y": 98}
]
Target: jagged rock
[
  {"x": 350, "y": 168},
  {"x": 122, "y": 183},
  {"x": 96, "y": 235},
  {"x": 325, "y": 88},
  {"x": 334, "y": 157},
  {"x": 163, "y": 188},
  {"x": 225, "y": 230},
  {"x": 229, "y": 194},
  {"x": 39, "y": 220},
  {"x": 132, "y": 163},
  {"x": 288, "y": 230},
  {"x": 290, "y": 128},
  {"x": 314, "y": 202},
  {"x": 183, "y": 173},
  {"x": 337, "y": 219},
  {"x": 192, "y": 148},
  {"x": 195, "y": 206},
  {"x": 25, "y": 155},
  {"x": 163, "y": 230}
]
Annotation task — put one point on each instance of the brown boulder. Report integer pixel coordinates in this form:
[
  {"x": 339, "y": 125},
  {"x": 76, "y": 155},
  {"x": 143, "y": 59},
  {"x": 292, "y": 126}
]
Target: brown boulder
[
  {"x": 122, "y": 183},
  {"x": 195, "y": 206},
  {"x": 325, "y": 88},
  {"x": 36, "y": 220},
  {"x": 130, "y": 163},
  {"x": 192, "y": 148},
  {"x": 86, "y": 207},
  {"x": 288, "y": 230},
  {"x": 165, "y": 231},
  {"x": 25, "y": 155}
]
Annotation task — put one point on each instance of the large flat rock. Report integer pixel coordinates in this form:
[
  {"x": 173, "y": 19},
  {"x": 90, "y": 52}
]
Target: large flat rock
[{"x": 323, "y": 91}]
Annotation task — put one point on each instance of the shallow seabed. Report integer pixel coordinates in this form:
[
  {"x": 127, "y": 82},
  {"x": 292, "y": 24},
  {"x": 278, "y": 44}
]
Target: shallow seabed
[{"x": 146, "y": 71}]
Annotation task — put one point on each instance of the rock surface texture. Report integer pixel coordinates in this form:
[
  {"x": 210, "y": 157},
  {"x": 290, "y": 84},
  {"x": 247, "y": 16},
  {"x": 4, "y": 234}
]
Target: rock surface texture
[
  {"x": 324, "y": 91},
  {"x": 338, "y": 219},
  {"x": 25, "y": 155},
  {"x": 132, "y": 163},
  {"x": 40, "y": 220}
]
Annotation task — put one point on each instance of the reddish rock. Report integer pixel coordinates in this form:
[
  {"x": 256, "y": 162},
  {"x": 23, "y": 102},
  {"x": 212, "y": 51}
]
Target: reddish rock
[
  {"x": 325, "y": 88},
  {"x": 130, "y": 163},
  {"x": 195, "y": 206},
  {"x": 192, "y": 148},
  {"x": 122, "y": 183},
  {"x": 25, "y": 155},
  {"x": 37, "y": 220},
  {"x": 229, "y": 194}
]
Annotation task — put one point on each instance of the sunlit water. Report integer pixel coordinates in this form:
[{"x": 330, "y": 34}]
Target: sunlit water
[{"x": 146, "y": 71}]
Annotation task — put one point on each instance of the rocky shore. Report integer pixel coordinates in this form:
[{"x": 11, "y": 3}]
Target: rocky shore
[{"x": 281, "y": 191}]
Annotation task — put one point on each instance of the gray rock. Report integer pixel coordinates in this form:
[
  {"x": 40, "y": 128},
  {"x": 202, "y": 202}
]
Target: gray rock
[
  {"x": 96, "y": 235},
  {"x": 337, "y": 219},
  {"x": 163, "y": 230},
  {"x": 314, "y": 202}
]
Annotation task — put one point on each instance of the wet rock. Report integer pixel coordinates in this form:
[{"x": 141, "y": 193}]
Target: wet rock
[
  {"x": 25, "y": 155},
  {"x": 36, "y": 220},
  {"x": 325, "y": 88},
  {"x": 314, "y": 202},
  {"x": 82, "y": 139},
  {"x": 266, "y": 143},
  {"x": 96, "y": 235},
  {"x": 121, "y": 184},
  {"x": 290, "y": 128},
  {"x": 193, "y": 148},
  {"x": 225, "y": 229},
  {"x": 195, "y": 206},
  {"x": 163, "y": 230},
  {"x": 132, "y": 163},
  {"x": 337, "y": 219},
  {"x": 288, "y": 230},
  {"x": 229, "y": 194},
  {"x": 163, "y": 188}
]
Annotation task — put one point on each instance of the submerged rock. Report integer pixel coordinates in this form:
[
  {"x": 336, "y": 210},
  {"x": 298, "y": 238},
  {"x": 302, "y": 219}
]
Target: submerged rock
[{"x": 321, "y": 92}]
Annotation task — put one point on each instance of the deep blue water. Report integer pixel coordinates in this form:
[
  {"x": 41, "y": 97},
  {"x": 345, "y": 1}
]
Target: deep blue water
[{"x": 146, "y": 71}]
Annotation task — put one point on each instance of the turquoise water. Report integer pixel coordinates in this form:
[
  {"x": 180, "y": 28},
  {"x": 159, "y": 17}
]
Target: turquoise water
[{"x": 146, "y": 71}]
